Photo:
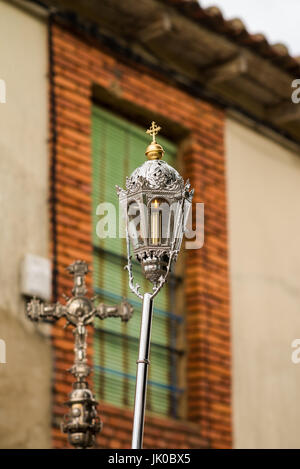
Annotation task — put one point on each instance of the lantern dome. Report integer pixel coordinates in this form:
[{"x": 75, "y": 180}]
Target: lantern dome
[{"x": 155, "y": 175}]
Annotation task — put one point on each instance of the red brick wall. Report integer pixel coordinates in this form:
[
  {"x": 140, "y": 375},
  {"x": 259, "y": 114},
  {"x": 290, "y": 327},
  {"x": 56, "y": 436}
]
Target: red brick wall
[{"x": 78, "y": 66}]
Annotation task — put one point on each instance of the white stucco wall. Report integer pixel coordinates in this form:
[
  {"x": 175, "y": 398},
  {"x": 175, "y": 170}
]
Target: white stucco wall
[
  {"x": 264, "y": 232},
  {"x": 25, "y": 380}
]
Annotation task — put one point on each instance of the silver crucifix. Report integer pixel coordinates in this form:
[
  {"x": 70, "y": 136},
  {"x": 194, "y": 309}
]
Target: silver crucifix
[{"x": 81, "y": 423}]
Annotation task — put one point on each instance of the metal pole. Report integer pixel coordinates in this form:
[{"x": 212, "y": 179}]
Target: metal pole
[{"x": 142, "y": 372}]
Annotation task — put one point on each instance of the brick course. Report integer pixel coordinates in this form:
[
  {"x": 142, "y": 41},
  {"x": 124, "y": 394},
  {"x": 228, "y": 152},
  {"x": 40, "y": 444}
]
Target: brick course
[{"x": 78, "y": 65}]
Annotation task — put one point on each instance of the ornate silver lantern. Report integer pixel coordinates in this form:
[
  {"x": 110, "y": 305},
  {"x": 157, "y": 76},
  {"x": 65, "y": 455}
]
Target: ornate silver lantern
[{"x": 156, "y": 205}]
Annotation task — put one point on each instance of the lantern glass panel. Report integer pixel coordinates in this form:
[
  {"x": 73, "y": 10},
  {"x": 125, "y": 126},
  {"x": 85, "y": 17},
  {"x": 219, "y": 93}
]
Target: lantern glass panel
[
  {"x": 181, "y": 221},
  {"x": 134, "y": 224},
  {"x": 159, "y": 216},
  {"x": 186, "y": 210}
]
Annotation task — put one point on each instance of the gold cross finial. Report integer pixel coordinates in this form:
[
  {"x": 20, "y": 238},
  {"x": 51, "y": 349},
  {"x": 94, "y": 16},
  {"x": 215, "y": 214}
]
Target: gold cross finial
[{"x": 153, "y": 131}]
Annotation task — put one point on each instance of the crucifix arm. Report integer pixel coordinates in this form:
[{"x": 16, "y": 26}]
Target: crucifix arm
[
  {"x": 47, "y": 312},
  {"x": 124, "y": 310}
]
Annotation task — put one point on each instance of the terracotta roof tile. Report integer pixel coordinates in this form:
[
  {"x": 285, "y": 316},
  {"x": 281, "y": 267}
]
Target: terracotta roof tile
[{"x": 235, "y": 29}]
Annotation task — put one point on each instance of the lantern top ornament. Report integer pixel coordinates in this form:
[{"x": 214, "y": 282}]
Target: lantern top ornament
[
  {"x": 155, "y": 177},
  {"x": 154, "y": 151}
]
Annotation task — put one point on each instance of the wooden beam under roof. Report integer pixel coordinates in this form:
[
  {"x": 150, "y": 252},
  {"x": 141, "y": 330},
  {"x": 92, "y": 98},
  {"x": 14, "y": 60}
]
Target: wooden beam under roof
[
  {"x": 155, "y": 28},
  {"x": 228, "y": 70},
  {"x": 283, "y": 113}
]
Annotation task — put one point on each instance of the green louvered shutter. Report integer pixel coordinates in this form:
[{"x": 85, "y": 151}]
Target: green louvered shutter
[{"x": 118, "y": 148}]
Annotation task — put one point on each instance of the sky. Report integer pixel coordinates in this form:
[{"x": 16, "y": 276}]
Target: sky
[{"x": 278, "y": 20}]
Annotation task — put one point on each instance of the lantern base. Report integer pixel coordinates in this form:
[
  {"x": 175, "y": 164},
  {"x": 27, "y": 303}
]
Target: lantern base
[{"x": 154, "y": 263}]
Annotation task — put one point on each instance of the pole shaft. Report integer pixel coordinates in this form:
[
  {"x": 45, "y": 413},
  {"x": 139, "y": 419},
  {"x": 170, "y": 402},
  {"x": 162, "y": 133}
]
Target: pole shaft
[{"x": 142, "y": 372}]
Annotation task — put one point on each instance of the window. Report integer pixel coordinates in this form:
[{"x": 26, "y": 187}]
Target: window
[{"x": 118, "y": 147}]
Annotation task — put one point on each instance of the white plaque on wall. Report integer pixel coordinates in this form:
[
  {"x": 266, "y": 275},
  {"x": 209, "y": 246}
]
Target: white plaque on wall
[{"x": 36, "y": 277}]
